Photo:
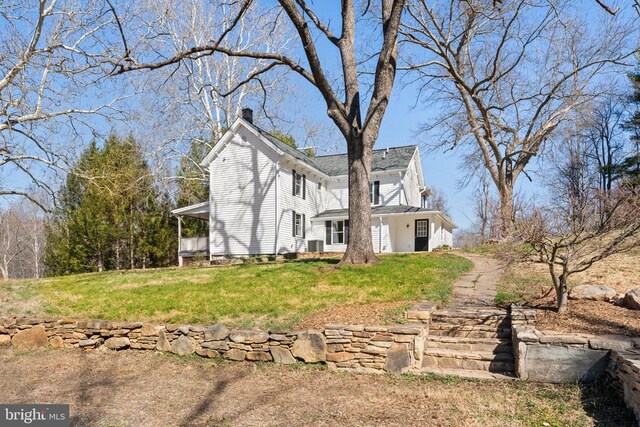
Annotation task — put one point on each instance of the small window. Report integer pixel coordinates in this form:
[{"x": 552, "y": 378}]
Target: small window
[
  {"x": 298, "y": 225},
  {"x": 374, "y": 192},
  {"x": 298, "y": 184},
  {"x": 319, "y": 186},
  {"x": 422, "y": 228}
]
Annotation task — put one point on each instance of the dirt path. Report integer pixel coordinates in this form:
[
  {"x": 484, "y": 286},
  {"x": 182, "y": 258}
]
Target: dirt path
[
  {"x": 478, "y": 287},
  {"x": 135, "y": 388}
]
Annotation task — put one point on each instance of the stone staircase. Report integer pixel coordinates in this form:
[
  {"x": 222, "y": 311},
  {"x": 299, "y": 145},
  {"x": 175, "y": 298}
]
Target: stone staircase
[{"x": 469, "y": 341}]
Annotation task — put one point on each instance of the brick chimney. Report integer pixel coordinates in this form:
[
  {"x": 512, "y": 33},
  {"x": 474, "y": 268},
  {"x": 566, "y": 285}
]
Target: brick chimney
[{"x": 247, "y": 114}]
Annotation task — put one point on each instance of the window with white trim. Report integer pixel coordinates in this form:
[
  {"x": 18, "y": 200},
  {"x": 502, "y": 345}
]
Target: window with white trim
[
  {"x": 298, "y": 184},
  {"x": 337, "y": 228},
  {"x": 298, "y": 225},
  {"x": 374, "y": 192}
]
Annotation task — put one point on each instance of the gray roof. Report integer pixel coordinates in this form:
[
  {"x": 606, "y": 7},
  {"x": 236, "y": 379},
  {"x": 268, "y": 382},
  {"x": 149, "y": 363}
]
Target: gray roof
[
  {"x": 283, "y": 146},
  {"x": 396, "y": 158},
  {"x": 376, "y": 210},
  {"x": 385, "y": 159}
]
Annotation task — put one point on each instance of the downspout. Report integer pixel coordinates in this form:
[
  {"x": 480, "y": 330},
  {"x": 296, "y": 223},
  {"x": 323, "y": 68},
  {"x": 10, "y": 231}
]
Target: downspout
[
  {"x": 401, "y": 187},
  {"x": 277, "y": 221}
]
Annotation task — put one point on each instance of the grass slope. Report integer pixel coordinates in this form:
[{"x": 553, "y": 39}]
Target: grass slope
[{"x": 266, "y": 295}]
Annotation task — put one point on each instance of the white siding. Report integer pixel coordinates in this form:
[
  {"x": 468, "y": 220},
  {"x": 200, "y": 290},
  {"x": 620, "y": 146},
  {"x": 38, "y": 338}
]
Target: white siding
[
  {"x": 337, "y": 196},
  {"x": 411, "y": 195},
  {"x": 337, "y": 193},
  {"x": 310, "y": 206},
  {"x": 242, "y": 198},
  {"x": 402, "y": 232}
]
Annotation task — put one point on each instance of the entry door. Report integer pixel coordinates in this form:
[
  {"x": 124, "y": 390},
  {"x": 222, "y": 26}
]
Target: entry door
[{"x": 422, "y": 235}]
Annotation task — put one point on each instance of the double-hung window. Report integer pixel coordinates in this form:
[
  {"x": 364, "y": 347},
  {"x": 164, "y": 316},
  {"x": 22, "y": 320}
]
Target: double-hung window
[
  {"x": 337, "y": 232},
  {"x": 374, "y": 192},
  {"x": 299, "y": 184},
  {"x": 298, "y": 225}
]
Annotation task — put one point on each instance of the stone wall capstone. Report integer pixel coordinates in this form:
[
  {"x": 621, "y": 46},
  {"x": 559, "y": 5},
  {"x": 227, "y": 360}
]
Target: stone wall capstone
[{"x": 561, "y": 358}]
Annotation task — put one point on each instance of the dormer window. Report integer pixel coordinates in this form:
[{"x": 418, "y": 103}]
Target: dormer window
[
  {"x": 374, "y": 192},
  {"x": 299, "y": 184}
]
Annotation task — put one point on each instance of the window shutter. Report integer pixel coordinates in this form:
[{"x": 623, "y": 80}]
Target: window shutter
[
  {"x": 304, "y": 186},
  {"x": 304, "y": 225},
  {"x": 376, "y": 193},
  {"x": 327, "y": 232},
  {"x": 293, "y": 224},
  {"x": 293, "y": 187},
  {"x": 346, "y": 231}
]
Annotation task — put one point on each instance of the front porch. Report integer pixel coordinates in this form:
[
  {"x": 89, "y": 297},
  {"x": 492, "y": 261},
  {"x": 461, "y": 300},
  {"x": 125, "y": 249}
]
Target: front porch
[
  {"x": 196, "y": 246},
  {"x": 394, "y": 229}
]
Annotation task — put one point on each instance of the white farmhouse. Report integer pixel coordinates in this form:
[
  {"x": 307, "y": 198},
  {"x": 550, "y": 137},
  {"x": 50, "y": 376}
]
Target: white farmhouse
[{"x": 266, "y": 197}]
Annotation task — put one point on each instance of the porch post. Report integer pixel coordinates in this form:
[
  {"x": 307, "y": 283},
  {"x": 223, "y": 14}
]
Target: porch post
[
  {"x": 380, "y": 236},
  {"x": 179, "y": 240}
]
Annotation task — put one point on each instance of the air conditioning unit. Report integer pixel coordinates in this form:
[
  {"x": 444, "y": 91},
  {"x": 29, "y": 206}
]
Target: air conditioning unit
[{"x": 316, "y": 245}]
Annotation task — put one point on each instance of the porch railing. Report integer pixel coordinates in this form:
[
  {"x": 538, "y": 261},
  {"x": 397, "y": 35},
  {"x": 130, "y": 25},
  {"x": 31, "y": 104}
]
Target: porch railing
[{"x": 194, "y": 244}]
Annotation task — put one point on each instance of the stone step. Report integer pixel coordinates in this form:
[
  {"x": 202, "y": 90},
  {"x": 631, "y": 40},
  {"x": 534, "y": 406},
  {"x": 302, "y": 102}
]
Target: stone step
[
  {"x": 480, "y": 320},
  {"x": 470, "y": 331},
  {"x": 469, "y": 355},
  {"x": 470, "y": 373},
  {"x": 482, "y": 361},
  {"x": 494, "y": 345},
  {"x": 471, "y": 312}
]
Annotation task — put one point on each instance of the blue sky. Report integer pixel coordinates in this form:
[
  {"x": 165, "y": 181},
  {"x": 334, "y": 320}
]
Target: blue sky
[
  {"x": 403, "y": 118},
  {"x": 399, "y": 127}
]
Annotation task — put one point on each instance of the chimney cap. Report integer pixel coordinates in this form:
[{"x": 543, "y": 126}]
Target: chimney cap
[{"x": 247, "y": 114}]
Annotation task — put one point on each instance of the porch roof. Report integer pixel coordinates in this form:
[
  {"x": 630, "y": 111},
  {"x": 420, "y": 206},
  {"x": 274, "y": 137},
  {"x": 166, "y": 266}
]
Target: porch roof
[
  {"x": 388, "y": 210},
  {"x": 199, "y": 210}
]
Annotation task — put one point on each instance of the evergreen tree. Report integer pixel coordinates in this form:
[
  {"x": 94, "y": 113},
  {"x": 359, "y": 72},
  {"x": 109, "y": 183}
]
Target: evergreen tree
[
  {"x": 193, "y": 187},
  {"x": 111, "y": 214},
  {"x": 630, "y": 166}
]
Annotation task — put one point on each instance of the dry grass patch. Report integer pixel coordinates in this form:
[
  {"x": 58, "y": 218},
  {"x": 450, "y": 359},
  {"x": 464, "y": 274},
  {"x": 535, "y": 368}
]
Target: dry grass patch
[
  {"x": 132, "y": 388},
  {"x": 528, "y": 283}
]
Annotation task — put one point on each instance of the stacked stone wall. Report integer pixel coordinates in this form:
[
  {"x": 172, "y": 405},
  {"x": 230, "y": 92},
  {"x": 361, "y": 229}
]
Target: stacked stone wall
[
  {"x": 624, "y": 366},
  {"x": 356, "y": 347}
]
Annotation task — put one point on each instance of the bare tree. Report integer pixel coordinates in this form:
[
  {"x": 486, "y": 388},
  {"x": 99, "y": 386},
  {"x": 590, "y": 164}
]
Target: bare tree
[
  {"x": 51, "y": 62},
  {"x": 184, "y": 105},
  {"x": 359, "y": 122},
  {"x": 437, "y": 200},
  {"x": 607, "y": 140},
  {"x": 570, "y": 232},
  {"x": 484, "y": 207},
  {"x": 509, "y": 75},
  {"x": 21, "y": 241}
]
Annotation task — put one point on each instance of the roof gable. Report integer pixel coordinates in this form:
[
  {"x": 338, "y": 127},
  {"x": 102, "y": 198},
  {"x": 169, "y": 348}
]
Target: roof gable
[{"x": 386, "y": 159}]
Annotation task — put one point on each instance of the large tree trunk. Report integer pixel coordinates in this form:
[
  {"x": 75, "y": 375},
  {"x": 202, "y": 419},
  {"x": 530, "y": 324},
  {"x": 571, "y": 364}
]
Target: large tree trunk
[
  {"x": 359, "y": 247},
  {"x": 506, "y": 210}
]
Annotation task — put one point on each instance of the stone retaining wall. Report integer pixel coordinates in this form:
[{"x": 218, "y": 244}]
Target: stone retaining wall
[
  {"x": 363, "y": 348},
  {"x": 624, "y": 366},
  {"x": 561, "y": 358}
]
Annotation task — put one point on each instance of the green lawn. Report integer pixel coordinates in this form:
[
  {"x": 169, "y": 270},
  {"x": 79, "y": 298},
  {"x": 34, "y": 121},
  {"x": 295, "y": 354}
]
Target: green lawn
[{"x": 276, "y": 294}]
